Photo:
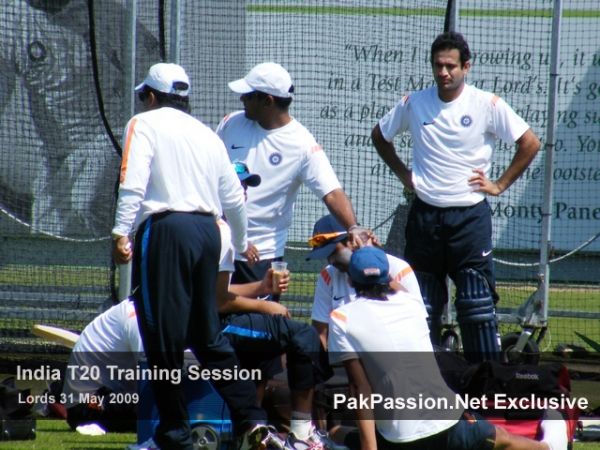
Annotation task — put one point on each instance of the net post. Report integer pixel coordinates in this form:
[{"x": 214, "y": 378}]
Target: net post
[
  {"x": 129, "y": 102},
  {"x": 175, "y": 31},
  {"x": 545, "y": 238}
]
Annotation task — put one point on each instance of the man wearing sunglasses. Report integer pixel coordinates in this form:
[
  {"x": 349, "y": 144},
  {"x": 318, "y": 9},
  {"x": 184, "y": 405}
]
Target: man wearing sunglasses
[
  {"x": 330, "y": 241},
  {"x": 266, "y": 137}
]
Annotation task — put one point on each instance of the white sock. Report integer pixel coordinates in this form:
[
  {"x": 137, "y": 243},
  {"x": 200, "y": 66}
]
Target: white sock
[
  {"x": 301, "y": 425},
  {"x": 555, "y": 430}
]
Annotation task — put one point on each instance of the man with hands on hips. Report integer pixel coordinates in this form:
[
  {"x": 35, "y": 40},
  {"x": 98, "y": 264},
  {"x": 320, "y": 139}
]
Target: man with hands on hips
[{"x": 454, "y": 127}]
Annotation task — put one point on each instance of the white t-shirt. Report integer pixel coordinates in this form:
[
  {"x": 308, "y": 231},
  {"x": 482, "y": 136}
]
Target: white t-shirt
[
  {"x": 451, "y": 139},
  {"x": 391, "y": 338},
  {"x": 285, "y": 158},
  {"x": 333, "y": 290},
  {"x": 173, "y": 162},
  {"x": 111, "y": 339}
]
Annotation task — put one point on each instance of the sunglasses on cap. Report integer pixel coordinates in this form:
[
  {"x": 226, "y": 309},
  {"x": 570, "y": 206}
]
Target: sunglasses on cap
[
  {"x": 323, "y": 238},
  {"x": 241, "y": 167}
]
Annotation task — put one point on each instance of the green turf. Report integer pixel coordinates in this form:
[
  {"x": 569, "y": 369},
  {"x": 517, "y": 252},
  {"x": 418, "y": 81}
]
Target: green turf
[{"x": 56, "y": 435}]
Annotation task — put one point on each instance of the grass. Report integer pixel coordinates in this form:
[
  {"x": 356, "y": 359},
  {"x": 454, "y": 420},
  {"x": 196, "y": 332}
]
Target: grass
[{"x": 55, "y": 434}]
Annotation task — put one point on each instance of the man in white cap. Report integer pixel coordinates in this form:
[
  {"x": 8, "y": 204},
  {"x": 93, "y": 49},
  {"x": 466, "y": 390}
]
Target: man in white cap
[
  {"x": 286, "y": 154},
  {"x": 176, "y": 181}
]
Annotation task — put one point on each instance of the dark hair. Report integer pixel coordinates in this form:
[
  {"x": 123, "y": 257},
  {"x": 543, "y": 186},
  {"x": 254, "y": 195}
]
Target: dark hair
[
  {"x": 449, "y": 41},
  {"x": 376, "y": 291},
  {"x": 282, "y": 103},
  {"x": 172, "y": 100}
]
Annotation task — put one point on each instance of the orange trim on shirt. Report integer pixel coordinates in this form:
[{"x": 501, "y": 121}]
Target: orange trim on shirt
[
  {"x": 405, "y": 99},
  {"x": 494, "y": 100},
  {"x": 132, "y": 314},
  {"x": 403, "y": 273},
  {"x": 315, "y": 149},
  {"x": 326, "y": 276},
  {"x": 126, "y": 150},
  {"x": 338, "y": 315}
]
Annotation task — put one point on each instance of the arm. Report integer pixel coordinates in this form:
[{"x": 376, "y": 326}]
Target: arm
[
  {"x": 138, "y": 153},
  {"x": 527, "y": 147},
  {"x": 387, "y": 152},
  {"x": 323, "y": 330},
  {"x": 340, "y": 207},
  {"x": 359, "y": 385},
  {"x": 228, "y": 301}
]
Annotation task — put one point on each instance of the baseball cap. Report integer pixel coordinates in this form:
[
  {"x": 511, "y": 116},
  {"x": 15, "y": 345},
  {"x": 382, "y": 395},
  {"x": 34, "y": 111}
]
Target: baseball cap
[
  {"x": 269, "y": 78},
  {"x": 244, "y": 174},
  {"x": 369, "y": 265},
  {"x": 327, "y": 232},
  {"x": 163, "y": 76}
]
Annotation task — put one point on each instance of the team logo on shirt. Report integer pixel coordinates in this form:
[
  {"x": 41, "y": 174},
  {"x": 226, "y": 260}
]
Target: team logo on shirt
[
  {"x": 275, "y": 159},
  {"x": 466, "y": 121},
  {"x": 37, "y": 51}
]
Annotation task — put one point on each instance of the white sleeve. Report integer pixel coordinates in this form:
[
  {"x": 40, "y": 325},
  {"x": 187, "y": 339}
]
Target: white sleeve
[
  {"x": 138, "y": 152},
  {"x": 317, "y": 173},
  {"x": 232, "y": 199},
  {"x": 395, "y": 121},
  {"x": 508, "y": 125},
  {"x": 339, "y": 347},
  {"x": 322, "y": 303},
  {"x": 404, "y": 274},
  {"x": 226, "y": 261}
]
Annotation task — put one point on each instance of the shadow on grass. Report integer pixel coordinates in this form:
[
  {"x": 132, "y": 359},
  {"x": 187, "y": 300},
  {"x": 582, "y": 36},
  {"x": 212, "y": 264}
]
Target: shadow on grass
[{"x": 593, "y": 344}]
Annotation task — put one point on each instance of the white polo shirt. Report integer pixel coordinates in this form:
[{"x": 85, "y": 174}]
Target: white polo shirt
[
  {"x": 285, "y": 158},
  {"x": 391, "y": 338},
  {"x": 173, "y": 162},
  {"x": 450, "y": 139},
  {"x": 333, "y": 289}
]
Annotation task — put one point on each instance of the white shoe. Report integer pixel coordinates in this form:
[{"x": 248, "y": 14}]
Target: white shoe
[
  {"x": 147, "y": 445},
  {"x": 273, "y": 440},
  {"x": 318, "y": 440}
]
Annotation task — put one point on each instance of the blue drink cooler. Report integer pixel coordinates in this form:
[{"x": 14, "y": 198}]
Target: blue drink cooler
[{"x": 209, "y": 415}]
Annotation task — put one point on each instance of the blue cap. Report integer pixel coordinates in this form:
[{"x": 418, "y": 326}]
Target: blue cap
[
  {"x": 327, "y": 225},
  {"x": 369, "y": 265},
  {"x": 243, "y": 173}
]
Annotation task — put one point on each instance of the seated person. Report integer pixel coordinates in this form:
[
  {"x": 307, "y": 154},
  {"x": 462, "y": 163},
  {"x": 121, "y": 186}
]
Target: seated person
[
  {"x": 330, "y": 241},
  {"x": 111, "y": 339},
  {"x": 398, "y": 361},
  {"x": 261, "y": 330}
]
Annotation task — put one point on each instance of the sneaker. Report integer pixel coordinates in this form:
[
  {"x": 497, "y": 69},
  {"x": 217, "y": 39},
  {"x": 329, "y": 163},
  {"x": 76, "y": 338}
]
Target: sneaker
[
  {"x": 255, "y": 438},
  {"x": 318, "y": 440},
  {"x": 147, "y": 445},
  {"x": 273, "y": 441}
]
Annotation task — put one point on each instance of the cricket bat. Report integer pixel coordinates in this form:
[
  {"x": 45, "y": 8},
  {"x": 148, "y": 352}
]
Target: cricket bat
[{"x": 54, "y": 334}]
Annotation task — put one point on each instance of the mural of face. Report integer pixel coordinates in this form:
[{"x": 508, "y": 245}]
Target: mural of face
[{"x": 50, "y": 6}]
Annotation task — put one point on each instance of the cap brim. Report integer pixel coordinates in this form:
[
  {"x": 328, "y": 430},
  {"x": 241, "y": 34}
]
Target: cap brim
[
  {"x": 251, "y": 179},
  {"x": 323, "y": 251},
  {"x": 139, "y": 87},
  {"x": 240, "y": 87}
]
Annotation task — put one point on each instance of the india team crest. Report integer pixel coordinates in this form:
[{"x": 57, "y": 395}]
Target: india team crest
[
  {"x": 275, "y": 159},
  {"x": 466, "y": 121}
]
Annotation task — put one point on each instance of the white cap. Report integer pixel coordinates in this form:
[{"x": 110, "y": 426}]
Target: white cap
[
  {"x": 163, "y": 76},
  {"x": 269, "y": 78}
]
